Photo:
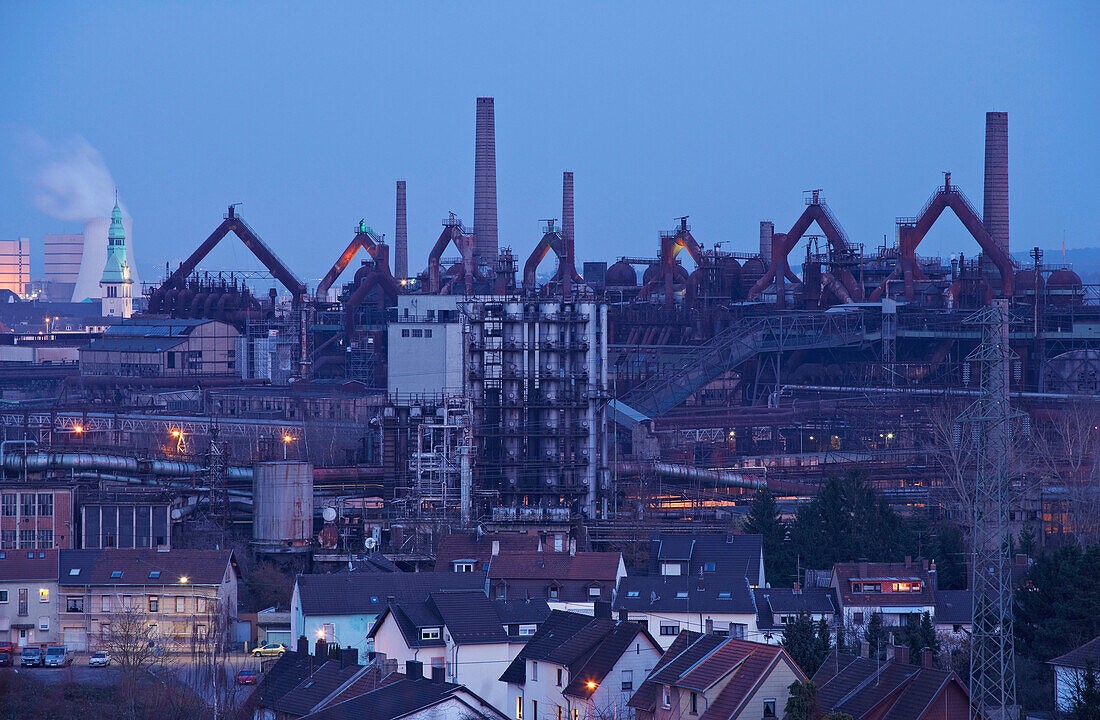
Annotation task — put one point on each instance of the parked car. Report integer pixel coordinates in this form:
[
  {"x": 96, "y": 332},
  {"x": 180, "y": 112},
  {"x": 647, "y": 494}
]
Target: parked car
[
  {"x": 31, "y": 657},
  {"x": 7, "y": 647},
  {"x": 246, "y": 676},
  {"x": 57, "y": 657},
  {"x": 269, "y": 650},
  {"x": 100, "y": 658},
  {"x": 5, "y": 659}
]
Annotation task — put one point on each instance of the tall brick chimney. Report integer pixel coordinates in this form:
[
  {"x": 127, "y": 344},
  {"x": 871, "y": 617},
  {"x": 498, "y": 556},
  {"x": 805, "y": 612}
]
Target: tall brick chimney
[
  {"x": 567, "y": 233},
  {"x": 767, "y": 229},
  {"x": 995, "y": 210},
  {"x": 401, "y": 235},
  {"x": 485, "y": 182}
]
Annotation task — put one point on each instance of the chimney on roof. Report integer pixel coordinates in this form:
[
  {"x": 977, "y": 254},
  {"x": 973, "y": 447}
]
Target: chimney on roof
[
  {"x": 438, "y": 674},
  {"x": 933, "y": 582},
  {"x": 401, "y": 235},
  {"x": 865, "y": 649},
  {"x": 901, "y": 654},
  {"x": 303, "y": 645},
  {"x": 623, "y": 616},
  {"x": 414, "y": 669},
  {"x": 320, "y": 650},
  {"x": 496, "y": 547},
  {"x": 863, "y": 568},
  {"x": 601, "y": 609},
  {"x": 349, "y": 656},
  {"x": 485, "y": 181},
  {"x": 926, "y": 658},
  {"x": 908, "y": 561}
]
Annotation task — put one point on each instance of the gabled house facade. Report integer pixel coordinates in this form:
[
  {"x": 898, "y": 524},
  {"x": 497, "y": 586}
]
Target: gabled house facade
[
  {"x": 669, "y": 604},
  {"x": 28, "y": 597},
  {"x": 775, "y": 607},
  {"x": 725, "y": 554},
  {"x": 579, "y": 667},
  {"x": 901, "y": 592},
  {"x": 566, "y": 581}
]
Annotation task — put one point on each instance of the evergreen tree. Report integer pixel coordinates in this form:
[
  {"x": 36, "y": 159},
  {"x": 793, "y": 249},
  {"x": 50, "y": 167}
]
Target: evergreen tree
[
  {"x": 823, "y": 642},
  {"x": 1058, "y": 607},
  {"x": 948, "y": 551},
  {"x": 876, "y": 636},
  {"x": 802, "y": 703},
  {"x": 1028, "y": 541},
  {"x": 1084, "y": 698},
  {"x": 920, "y": 636},
  {"x": 802, "y": 644},
  {"x": 765, "y": 520}
]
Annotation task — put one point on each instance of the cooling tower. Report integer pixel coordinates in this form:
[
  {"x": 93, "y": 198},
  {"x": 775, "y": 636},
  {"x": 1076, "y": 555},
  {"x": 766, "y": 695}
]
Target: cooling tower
[
  {"x": 995, "y": 212},
  {"x": 94, "y": 258},
  {"x": 401, "y": 236},
  {"x": 485, "y": 182}
]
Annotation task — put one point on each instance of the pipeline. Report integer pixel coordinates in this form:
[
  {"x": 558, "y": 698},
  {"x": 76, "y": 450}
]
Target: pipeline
[
  {"x": 97, "y": 462},
  {"x": 240, "y": 497},
  {"x": 685, "y": 472}
]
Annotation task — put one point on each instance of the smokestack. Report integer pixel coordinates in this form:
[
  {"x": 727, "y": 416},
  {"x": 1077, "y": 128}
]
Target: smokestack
[
  {"x": 767, "y": 228},
  {"x": 401, "y": 235},
  {"x": 485, "y": 182},
  {"x": 569, "y": 265},
  {"x": 995, "y": 212}
]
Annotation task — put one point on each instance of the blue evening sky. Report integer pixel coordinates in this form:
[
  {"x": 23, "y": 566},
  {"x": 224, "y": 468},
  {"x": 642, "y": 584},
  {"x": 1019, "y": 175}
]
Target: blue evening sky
[{"x": 307, "y": 113}]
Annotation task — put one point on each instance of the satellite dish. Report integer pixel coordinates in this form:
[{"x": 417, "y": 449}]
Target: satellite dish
[
  {"x": 329, "y": 514},
  {"x": 370, "y": 543}
]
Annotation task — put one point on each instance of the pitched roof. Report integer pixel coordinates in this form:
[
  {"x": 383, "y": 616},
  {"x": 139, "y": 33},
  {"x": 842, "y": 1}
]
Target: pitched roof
[
  {"x": 28, "y": 565},
  {"x": 471, "y": 546},
  {"x": 893, "y": 691},
  {"x": 727, "y": 554},
  {"x": 645, "y": 698},
  {"x": 351, "y": 593},
  {"x": 393, "y": 700},
  {"x": 596, "y": 566},
  {"x": 785, "y": 601},
  {"x": 954, "y": 606},
  {"x": 1076, "y": 658},
  {"x": 747, "y": 676},
  {"x": 680, "y": 593},
  {"x": 144, "y": 567},
  {"x": 287, "y": 672},
  {"x": 469, "y": 616},
  {"x": 588, "y": 646},
  {"x": 883, "y": 572},
  {"x": 314, "y": 688}
]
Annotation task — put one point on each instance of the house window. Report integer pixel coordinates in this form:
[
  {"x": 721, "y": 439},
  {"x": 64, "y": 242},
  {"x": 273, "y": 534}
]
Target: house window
[
  {"x": 500, "y": 592},
  {"x": 116, "y": 574},
  {"x": 681, "y": 595},
  {"x": 26, "y": 539},
  {"x": 43, "y": 594},
  {"x": 181, "y": 605},
  {"x": 27, "y": 501},
  {"x": 527, "y": 630},
  {"x": 464, "y": 567},
  {"x": 154, "y": 603},
  {"x": 7, "y": 539},
  {"x": 534, "y": 703},
  {"x": 74, "y": 604},
  {"x": 105, "y": 603},
  {"x": 694, "y": 703},
  {"x": 668, "y": 628},
  {"x": 45, "y": 504},
  {"x": 553, "y": 592},
  {"x": 769, "y": 708},
  {"x": 594, "y": 592},
  {"x": 3, "y": 596},
  {"x": 857, "y": 618},
  {"x": 418, "y": 333},
  {"x": 45, "y": 539},
  {"x": 127, "y": 602},
  {"x": 576, "y": 714},
  {"x": 561, "y": 675},
  {"x": 44, "y": 622},
  {"x": 427, "y": 333},
  {"x": 329, "y": 631},
  {"x": 670, "y": 568},
  {"x": 708, "y": 567},
  {"x": 23, "y": 602},
  {"x": 666, "y": 697},
  {"x": 404, "y": 332},
  {"x": 632, "y": 593},
  {"x": 559, "y": 715},
  {"x": 534, "y": 670},
  {"x": 429, "y": 633},
  {"x": 8, "y": 502},
  {"x": 628, "y": 680},
  {"x": 724, "y": 595},
  {"x": 519, "y": 707}
]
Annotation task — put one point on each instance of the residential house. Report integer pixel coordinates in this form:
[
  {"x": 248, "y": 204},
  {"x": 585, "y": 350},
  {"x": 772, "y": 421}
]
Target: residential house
[
  {"x": 341, "y": 607},
  {"x": 775, "y": 607},
  {"x": 1069, "y": 670},
  {"x": 579, "y": 667},
  {"x": 273, "y": 626},
  {"x": 36, "y": 516},
  {"x": 472, "y": 637},
  {"x": 184, "y": 592},
  {"x": 567, "y": 581},
  {"x": 471, "y": 552},
  {"x": 410, "y": 697},
  {"x": 954, "y": 612},
  {"x": 868, "y": 689},
  {"x": 712, "y": 677},
  {"x": 722, "y": 554},
  {"x": 668, "y": 604},
  {"x": 28, "y": 596},
  {"x": 901, "y": 592}
]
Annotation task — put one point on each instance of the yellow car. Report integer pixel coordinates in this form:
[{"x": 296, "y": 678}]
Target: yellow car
[{"x": 269, "y": 650}]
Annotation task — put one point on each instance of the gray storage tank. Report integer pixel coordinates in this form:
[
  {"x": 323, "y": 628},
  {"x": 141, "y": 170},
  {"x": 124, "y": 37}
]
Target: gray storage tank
[{"x": 282, "y": 506}]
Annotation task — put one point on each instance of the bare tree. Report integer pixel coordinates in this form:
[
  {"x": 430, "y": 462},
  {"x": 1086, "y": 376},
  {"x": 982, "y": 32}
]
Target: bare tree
[
  {"x": 131, "y": 640},
  {"x": 1066, "y": 449},
  {"x": 210, "y": 672}
]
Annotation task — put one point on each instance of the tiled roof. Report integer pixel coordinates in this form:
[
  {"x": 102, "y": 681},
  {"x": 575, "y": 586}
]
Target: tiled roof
[
  {"x": 313, "y": 689},
  {"x": 351, "y": 593},
  {"x": 469, "y": 617},
  {"x": 748, "y": 675},
  {"x": 282, "y": 677},
  {"x": 588, "y": 646},
  {"x": 521, "y": 612},
  {"x": 143, "y": 567},
  {"x": 680, "y": 593},
  {"x": 393, "y": 700},
  {"x": 469, "y": 546},
  {"x": 645, "y": 698},
  {"x": 920, "y": 693},
  {"x": 1076, "y": 658},
  {"x": 784, "y": 601},
  {"x": 731, "y": 555},
  {"x": 847, "y": 572},
  {"x": 555, "y": 566},
  {"x": 863, "y": 687},
  {"x": 954, "y": 606},
  {"x": 28, "y": 565}
]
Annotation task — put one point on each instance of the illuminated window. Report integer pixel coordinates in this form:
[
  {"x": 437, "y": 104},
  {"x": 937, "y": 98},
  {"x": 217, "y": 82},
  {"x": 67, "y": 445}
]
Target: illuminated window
[{"x": 43, "y": 594}]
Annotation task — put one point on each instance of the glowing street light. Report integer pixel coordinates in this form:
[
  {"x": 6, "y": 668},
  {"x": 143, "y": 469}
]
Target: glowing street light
[
  {"x": 78, "y": 429},
  {"x": 287, "y": 439},
  {"x": 178, "y": 435},
  {"x": 183, "y": 579}
]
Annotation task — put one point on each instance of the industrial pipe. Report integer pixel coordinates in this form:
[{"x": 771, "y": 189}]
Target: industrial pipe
[
  {"x": 98, "y": 462},
  {"x": 686, "y": 472}
]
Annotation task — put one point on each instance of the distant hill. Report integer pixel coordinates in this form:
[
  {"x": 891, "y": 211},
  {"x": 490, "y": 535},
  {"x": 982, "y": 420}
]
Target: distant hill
[{"x": 1085, "y": 261}]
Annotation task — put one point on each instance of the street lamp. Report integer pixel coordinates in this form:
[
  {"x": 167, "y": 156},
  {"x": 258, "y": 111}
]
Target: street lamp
[{"x": 287, "y": 439}]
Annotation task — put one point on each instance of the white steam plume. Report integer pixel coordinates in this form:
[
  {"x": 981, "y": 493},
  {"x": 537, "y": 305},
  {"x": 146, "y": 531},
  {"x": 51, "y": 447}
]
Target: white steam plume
[{"x": 70, "y": 180}]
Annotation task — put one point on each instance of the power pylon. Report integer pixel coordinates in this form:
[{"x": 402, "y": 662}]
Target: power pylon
[{"x": 992, "y": 664}]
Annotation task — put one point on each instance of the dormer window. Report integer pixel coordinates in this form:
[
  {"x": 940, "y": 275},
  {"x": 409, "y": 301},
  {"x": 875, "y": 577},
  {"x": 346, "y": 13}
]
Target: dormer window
[
  {"x": 594, "y": 591},
  {"x": 552, "y": 592},
  {"x": 670, "y": 568},
  {"x": 909, "y": 586},
  {"x": 429, "y": 633},
  {"x": 463, "y": 566}
]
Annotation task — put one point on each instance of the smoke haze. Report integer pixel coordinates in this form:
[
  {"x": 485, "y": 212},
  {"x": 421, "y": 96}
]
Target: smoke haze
[{"x": 70, "y": 181}]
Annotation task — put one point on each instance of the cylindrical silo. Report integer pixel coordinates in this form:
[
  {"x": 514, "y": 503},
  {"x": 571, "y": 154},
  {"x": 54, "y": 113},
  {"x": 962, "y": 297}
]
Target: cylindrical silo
[{"x": 282, "y": 506}]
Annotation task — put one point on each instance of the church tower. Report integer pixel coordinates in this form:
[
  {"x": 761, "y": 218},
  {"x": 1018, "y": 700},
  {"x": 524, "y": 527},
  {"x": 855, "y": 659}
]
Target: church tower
[{"x": 117, "y": 287}]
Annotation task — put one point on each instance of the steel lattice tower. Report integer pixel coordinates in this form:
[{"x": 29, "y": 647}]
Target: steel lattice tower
[{"x": 992, "y": 663}]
